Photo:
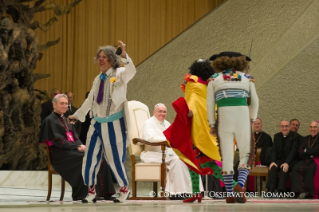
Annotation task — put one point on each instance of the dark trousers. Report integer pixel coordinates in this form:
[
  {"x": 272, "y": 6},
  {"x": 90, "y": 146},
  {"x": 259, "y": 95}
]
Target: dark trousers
[
  {"x": 302, "y": 176},
  {"x": 104, "y": 184},
  {"x": 273, "y": 181}
]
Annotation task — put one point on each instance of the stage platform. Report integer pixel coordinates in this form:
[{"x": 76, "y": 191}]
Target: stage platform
[{"x": 26, "y": 191}]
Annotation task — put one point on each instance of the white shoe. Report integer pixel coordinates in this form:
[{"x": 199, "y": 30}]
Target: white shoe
[
  {"x": 121, "y": 197},
  {"x": 90, "y": 197}
]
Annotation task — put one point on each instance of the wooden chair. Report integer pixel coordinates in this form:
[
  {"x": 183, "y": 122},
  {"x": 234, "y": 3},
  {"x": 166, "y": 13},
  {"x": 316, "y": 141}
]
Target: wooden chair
[
  {"x": 136, "y": 114},
  {"x": 261, "y": 171},
  {"x": 51, "y": 171}
]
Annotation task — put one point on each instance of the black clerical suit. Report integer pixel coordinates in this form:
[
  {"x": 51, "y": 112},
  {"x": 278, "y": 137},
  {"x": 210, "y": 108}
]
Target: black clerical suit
[
  {"x": 67, "y": 160},
  {"x": 263, "y": 141},
  {"x": 302, "y": 175},
  {"x": 284, "y": 150},
  {"x": 64, "y": 154}
]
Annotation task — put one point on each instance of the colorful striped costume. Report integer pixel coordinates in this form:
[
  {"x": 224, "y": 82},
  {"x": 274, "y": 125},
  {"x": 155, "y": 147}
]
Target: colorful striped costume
[{"x": 107, "y": 133}]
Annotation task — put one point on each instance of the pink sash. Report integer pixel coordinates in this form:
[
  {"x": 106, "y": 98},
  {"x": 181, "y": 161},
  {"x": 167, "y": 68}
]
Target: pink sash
[
  {"x": 49, "y": 143},
  {"x": 315, "y": 179}
]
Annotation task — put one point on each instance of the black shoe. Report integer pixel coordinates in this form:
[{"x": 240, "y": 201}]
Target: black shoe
[
  {"x": 99, "y": 198},
  {"x": 110, "y": 198}
]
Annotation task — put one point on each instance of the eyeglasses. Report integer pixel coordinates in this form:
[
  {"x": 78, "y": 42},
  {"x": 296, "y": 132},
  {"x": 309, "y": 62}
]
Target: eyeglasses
[
  {"x": 161, "y": 111},
  {"x": 284, "y": 126}
]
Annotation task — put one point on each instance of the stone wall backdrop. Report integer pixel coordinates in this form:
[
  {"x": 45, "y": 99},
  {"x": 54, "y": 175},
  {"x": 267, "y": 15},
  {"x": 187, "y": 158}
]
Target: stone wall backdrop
[
  {"x": 20, "y": 104},
  {"x": 285, "y": 54}
]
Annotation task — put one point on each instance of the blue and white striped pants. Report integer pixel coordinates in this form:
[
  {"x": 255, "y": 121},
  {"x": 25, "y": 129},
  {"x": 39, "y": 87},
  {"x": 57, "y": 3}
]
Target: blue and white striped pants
[{"x": 107, "y": 139}]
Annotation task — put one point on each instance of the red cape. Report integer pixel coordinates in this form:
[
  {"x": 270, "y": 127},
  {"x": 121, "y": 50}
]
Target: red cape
[{"x": 178, "y": 135}]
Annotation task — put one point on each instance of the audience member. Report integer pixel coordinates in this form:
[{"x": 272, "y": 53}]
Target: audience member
[
  {"x": 294, "y": 127},
  {"x": 66, "y": 150},
  {"x": 71, "y": 110},
  {"x": 283, "y": 154},
  {"x": 305, "y": 170},
  {"x": 262, "y": 140}
]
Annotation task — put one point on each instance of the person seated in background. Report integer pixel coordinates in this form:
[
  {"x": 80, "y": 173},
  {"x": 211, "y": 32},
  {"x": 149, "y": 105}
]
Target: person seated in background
[
  {"x": 67, "y": 151},
  {"x": 178, "y": 180},
  {"x": 306, "y": 169},
  {"x": 283, "y": 154},
  {"x": 294, "y": 126},
  {"x": 71, "y": 110},
  {"x": 262, "y": 140},
  {"x": 47, "y": 107}
]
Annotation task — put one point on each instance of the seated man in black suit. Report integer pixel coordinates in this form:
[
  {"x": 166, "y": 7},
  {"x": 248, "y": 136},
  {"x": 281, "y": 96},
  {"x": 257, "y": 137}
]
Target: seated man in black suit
[
  {"x": 294, "y": 127},
  {"x": 304, "y": 172},
  {"x": 67, "y": 152},
  {"x": 283, "y": 154}
]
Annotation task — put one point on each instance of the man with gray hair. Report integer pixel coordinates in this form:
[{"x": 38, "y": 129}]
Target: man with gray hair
[
  {"x": 283, "y": 154},
  {"x": 66, "y": 149},
  {"x": 178, "y": 180},
  {"x": 306, "y": 169},
  {"x": 107, "y": 134}
]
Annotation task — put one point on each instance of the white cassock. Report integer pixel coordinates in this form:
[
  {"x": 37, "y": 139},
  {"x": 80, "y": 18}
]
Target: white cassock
[{"x": 178, "y": 179}]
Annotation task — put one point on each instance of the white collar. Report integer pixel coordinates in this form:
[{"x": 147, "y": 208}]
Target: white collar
[
  {"x": 58, "y": 114},
  {"x": 157, "y": 121},
  {"x": 258, "y": 132}
]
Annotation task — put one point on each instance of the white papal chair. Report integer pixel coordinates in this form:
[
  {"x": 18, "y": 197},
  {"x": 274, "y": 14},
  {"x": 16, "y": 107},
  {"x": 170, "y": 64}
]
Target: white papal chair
[{"x": 136, "y": 114}]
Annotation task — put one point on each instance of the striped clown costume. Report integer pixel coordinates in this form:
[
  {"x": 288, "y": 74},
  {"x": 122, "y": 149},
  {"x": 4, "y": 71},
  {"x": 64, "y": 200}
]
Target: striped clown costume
[
  {"x": 107, "y": 133},
  {"x": 229, "y": 88}
]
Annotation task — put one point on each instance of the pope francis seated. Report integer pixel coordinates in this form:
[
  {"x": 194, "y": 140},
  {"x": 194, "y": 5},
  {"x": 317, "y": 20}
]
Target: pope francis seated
[{"x": 178, "y": 180}]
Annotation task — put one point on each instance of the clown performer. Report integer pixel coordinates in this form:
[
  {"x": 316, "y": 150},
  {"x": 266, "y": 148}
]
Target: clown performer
[
  {"x": 107, "y": 133},
  {"x": 229, "y": 89},
  {"x": 201, "y": 149}
]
